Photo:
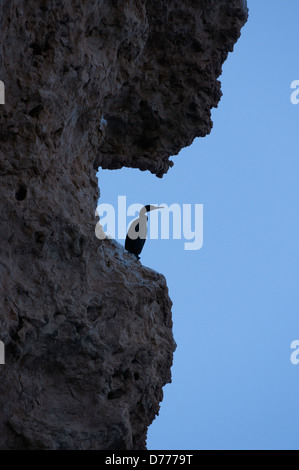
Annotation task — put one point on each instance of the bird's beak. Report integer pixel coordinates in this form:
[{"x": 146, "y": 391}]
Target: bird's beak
[{"x": 153, "y": 208}]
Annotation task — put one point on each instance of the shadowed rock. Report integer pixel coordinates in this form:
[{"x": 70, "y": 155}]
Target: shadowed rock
[{"x": 88, "y": 333}]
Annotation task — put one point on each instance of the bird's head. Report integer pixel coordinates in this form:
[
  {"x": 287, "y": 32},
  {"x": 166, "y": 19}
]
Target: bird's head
[{"x": 148, "y": 208}]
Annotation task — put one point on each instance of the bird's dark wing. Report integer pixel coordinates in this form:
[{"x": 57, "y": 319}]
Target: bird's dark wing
[{"x": 134, "y": 246}]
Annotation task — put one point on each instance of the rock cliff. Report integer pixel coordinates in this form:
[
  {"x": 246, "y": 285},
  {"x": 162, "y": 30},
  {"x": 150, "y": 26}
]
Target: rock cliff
[{"x": 87, "y": 329}]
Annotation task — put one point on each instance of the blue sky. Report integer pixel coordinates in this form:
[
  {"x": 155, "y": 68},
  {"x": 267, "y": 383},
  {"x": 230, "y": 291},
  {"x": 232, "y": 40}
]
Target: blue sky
[{"x": 236, "y": 305}]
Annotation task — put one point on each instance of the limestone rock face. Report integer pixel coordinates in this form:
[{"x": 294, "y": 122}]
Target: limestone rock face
[
  {"x": 87, "y": 329},
  {"x": 88, "y": 346}
]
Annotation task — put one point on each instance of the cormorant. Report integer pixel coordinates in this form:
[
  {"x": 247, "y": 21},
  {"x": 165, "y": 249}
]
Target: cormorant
[{"x": 138, "y": 231}]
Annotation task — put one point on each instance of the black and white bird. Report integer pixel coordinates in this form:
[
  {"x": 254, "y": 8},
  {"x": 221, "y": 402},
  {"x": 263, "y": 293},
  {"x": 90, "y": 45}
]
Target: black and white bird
[{"x": 137, "y": 232}]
